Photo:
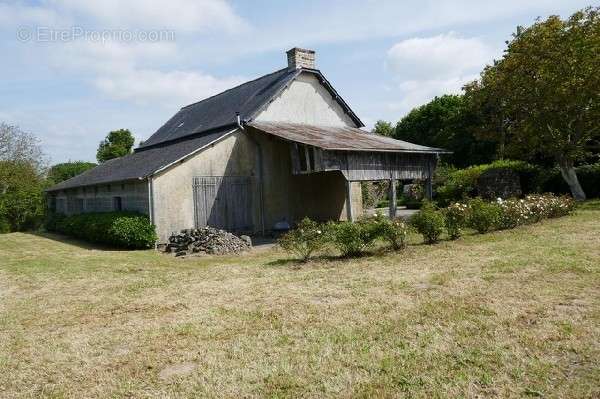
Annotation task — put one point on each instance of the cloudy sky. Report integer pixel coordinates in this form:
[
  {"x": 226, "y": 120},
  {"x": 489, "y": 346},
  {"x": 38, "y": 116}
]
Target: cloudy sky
[{"x": 73, "y": 70}]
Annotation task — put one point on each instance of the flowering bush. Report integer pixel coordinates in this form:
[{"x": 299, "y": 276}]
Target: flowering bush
[
  {"x": 513, "y": 213},
  {"x": 353, "y": 238},
  {"x": 308, "y": 238},
  {"x": 429, "y": 222},
  {"x": 532, "y": 209},
  {"x": 455, "y": 219},
  {"x": 393, "y": 231},
  {"x": 483, "y": 216},
  {"x": 559, "y": 206}
]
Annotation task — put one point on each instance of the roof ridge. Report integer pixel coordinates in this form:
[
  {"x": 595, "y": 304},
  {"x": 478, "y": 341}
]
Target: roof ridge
[{"x": 233, "y": 88}]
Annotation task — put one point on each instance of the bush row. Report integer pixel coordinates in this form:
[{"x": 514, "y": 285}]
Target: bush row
[
  {"x": 350, "y": 239},
  {"x": 120, "y": 229},
  {"x": 484, "y": 216},
  {"x": 353, "y": 239}
]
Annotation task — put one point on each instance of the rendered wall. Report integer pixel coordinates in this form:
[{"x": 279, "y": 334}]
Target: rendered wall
[
  {"x": 173, "y": 191},
  {"x": 306, "y": 101}
]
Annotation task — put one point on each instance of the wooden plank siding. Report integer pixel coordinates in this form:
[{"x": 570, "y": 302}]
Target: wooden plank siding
[{"x": 364, "y": 166}]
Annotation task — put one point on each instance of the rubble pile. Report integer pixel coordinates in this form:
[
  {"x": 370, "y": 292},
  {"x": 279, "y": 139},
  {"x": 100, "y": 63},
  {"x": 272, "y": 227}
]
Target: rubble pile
[{"x": 207, "y": 240}]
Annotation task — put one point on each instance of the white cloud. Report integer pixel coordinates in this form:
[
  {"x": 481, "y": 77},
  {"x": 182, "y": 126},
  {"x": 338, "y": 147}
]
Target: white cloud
[
  {"x": 169, "y": 88},
  {"x": 181, "y": 15},
  {"x": 425, "y": 67},
  {"x": 441, "y": 56}
]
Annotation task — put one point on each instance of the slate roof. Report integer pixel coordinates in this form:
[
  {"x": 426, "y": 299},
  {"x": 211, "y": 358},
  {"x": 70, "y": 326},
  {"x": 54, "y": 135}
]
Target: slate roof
[
  {"x": 140, "y": 164},
  {"x": 340, "y": 138},
  {"x": 220, "y": 110}
]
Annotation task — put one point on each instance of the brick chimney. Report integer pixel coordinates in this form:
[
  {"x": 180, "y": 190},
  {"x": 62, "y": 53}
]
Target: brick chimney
[{"x": 300, "y": 58}]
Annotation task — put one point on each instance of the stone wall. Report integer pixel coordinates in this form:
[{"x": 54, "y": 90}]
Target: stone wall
[{"x": 102, "y": 198}]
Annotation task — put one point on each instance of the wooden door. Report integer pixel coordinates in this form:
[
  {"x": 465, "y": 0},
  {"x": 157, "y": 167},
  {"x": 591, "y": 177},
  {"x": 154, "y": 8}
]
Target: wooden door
[{"x": 224, "y": 202}]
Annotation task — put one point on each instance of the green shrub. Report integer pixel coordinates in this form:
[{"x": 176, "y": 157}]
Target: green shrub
[
  {"x": 353, "y": 239},
  {"x": 458, "y": 185},
  {"x": 455, "y": 219},
  {"x": 121, "y": 229},
  {"x": 392, "y": 231},
  {"x": 483, "y": 216},
  {"x": 429, "y": 222},
  {"x": 305, "y": 240}
]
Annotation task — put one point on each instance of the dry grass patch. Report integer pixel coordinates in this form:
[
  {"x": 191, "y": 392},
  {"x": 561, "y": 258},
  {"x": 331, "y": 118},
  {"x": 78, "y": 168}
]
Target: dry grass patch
[{"x": 508, "y": 314}]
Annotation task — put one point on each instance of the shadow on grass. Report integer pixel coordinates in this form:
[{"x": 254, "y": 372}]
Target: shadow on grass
[{"x": 76, "y": 242}]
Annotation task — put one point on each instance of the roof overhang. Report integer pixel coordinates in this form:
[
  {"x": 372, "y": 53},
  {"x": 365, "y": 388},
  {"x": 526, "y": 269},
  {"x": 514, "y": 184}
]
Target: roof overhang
[{"x": 336, "y": 138}]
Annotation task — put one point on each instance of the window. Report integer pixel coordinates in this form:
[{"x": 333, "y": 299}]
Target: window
[{"x": 117, "y": 204}]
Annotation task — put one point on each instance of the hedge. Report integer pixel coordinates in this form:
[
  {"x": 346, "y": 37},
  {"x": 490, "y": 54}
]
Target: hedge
[
  {"x": 459, "y": 184},
  {"x": 121, "y": 229},
  {"x": 588, "y": 175}
]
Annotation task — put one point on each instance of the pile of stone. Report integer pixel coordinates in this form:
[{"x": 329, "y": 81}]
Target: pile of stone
[{"x": 207, "y": 240}]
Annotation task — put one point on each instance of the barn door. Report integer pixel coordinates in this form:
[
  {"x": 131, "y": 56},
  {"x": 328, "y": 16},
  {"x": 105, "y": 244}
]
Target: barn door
[{"x": 224, "y": 202}]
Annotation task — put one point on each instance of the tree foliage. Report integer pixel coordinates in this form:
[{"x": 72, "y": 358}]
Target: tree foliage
[
  {"x": 17, "y": 145},
  {"x": 21, "y": 196},
  {"x": 447, "y": 122},
  {"x": 547, "y": 89},
  {"x": 64, "y": 171},
  {"x": 22, "y": 168},
  {"x": 116, "y": 144},
  {"x": 383, "y": 128}
]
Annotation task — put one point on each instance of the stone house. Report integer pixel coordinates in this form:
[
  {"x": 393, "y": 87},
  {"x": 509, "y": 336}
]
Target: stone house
[{"x": 274, "y": 149}]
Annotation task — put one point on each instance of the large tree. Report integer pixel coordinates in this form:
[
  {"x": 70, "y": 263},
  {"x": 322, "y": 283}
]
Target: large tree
[
  {"x": 117, "y": 144},
  {"x": 22, "y": 168},
  {"x": 447, "y": 122},
  {"x": 18, "y": 145},
  {"x": 66, "y": 170},
  {"x": 548, "y": 87}
]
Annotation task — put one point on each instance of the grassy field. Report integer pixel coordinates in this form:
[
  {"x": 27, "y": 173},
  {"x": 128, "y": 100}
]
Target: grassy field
[{"x": 507, "y": 314}]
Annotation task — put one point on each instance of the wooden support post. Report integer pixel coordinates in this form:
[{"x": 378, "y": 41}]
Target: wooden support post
[
  {"x": 393, "y": 199},
  {"x": 429, "y": 182},
  {"x": 349, "y": 213}
]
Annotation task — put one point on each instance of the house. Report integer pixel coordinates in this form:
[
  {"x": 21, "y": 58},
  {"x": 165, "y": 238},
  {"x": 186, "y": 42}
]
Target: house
[{"x": 275, "y": 149}]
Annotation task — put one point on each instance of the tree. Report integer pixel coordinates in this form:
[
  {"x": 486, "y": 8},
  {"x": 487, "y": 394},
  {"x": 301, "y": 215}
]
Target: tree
[
  {"x": 64, "y": 171},
  {"x": 447, "y": 122},
  {"x": 549, "y": 80},
  {"x": 117, "y": 144},
  {"x": 21, "y": 196},
  {"x": 17, "y": 145},
  {"x": 22, "y": 167},
  {"x": 383, "y": 128}
]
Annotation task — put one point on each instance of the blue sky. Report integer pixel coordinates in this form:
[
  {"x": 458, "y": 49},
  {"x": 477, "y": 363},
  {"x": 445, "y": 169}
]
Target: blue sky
[{"x": 384, "y": 57}]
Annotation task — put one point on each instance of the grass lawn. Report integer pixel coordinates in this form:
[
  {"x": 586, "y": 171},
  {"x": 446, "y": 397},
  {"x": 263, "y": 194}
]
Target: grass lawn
[{"x": 508, "y": 314}]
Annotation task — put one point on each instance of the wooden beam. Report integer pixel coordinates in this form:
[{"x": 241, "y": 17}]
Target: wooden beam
[
  {"x": 429, "y": 182},
  {"x": 393, "y": 199},
  {"x": 349, "y": 212}
]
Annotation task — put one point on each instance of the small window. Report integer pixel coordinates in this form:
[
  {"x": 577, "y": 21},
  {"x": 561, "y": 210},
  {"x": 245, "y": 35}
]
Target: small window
[
  {"x": 123, "y": 186},
  {"x": 117, "y": 204},
  {"x": 108, "y": 188}
]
